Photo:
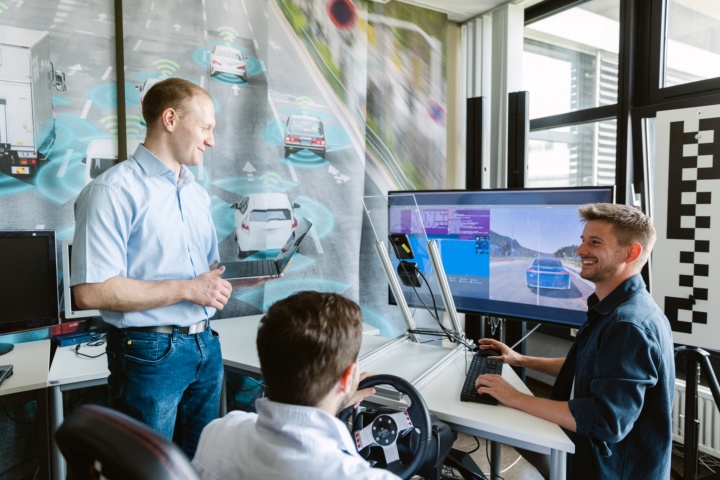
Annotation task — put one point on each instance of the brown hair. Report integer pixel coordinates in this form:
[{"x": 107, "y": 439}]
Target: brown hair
[
  {"x": 629, "y": 225},
  {"x": 305, "y": 342},
  {"x": 169, "y": 93}
]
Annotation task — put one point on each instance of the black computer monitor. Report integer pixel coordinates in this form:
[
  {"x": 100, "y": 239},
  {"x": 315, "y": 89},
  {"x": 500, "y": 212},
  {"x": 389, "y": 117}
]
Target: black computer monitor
[
  {"x": 506, "y": 253},
  {"x": 28, "y": 282}
]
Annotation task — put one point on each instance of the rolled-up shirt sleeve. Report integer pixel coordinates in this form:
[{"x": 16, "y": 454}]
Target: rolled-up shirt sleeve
[{"x": 623, "y": 368}]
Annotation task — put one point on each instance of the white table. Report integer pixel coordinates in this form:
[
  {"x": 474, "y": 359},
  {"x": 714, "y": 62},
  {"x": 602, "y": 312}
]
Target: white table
[
  {"x": 30, "y": 361},
  {"x": 495, "y": 422},
  {"x": 238, "y": 335}
]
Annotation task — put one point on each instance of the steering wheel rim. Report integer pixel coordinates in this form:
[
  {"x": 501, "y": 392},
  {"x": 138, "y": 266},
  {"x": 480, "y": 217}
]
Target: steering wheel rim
[{"x": 419, "y": 416}]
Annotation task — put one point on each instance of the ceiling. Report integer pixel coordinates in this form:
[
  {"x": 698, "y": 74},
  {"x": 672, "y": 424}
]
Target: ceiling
[{"x": 458, "y": 11}]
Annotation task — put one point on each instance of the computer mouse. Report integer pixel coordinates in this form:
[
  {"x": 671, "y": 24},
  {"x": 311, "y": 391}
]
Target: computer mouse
[{"x": 488, "y": 352}]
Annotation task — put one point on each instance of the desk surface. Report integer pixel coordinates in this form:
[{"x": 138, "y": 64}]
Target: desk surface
[
  {"x": 498, "y": 422},
  {"x": 30, "y": 362},
  {"x": 70, "y": 368},
  {"x": 238, "y": 335}
]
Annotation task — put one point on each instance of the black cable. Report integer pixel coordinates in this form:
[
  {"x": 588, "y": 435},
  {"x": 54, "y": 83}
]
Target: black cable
[{"x": 94, "y": 342}]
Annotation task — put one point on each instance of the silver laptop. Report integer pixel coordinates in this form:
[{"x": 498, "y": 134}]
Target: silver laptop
[{"x": 268, "y": 268}]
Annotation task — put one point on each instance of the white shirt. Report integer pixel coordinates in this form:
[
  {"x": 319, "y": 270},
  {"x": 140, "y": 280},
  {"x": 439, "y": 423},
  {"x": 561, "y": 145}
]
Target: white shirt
[{"x": 281, "y": 442}]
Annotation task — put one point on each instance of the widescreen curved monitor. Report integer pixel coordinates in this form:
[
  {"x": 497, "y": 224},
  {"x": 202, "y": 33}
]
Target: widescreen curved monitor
[{"x": 506, "y": 253}]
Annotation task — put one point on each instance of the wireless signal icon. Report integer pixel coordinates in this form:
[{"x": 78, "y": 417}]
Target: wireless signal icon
[
  {"x": 165, "y": 66},
  {"x": 228, "y": 34},
  {"x": 305, "y": 103},
  {"x": 110, "y": 122},
  {"x": 134, "y": 124},
  {"x": 270, "y": 180}
]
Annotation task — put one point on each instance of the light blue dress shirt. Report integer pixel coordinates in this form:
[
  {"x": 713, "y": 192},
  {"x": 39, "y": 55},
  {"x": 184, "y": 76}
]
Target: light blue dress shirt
[{"x": 136, "y": 221}]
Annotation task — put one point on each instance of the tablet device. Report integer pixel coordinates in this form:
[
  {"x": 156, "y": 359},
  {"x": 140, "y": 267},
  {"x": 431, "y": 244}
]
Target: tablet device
[{"x": 268, "y": 268}]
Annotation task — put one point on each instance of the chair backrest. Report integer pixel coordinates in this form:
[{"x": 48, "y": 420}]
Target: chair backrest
[{"x": 98, "y": 442}]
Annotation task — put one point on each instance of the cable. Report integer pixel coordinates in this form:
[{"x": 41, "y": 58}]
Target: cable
[
  {"x": 94, "y": 342},
  {"x": 511, "y": 465},
  {"x": 526, "y": 336}
]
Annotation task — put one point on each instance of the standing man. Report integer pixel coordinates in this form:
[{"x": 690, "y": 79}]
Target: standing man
[
  {"x": 308, "y": 345},
  {"x": 614, "y": 391},
  {"x": 145, "y": 254}
]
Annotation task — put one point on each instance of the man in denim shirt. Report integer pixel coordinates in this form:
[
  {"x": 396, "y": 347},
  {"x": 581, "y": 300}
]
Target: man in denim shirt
[{"x": 614, "y": 391}]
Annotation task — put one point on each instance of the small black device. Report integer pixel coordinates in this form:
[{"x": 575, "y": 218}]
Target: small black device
[
  {"x": 401, "y": 246},
  {"x": 479, "y": 365},
  {"x": 6, "y": 371},
  {"x": 409, "y": 274}
]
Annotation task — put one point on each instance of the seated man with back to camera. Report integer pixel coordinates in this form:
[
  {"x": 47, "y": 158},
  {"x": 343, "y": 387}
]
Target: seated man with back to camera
[{"x": 308, "y": 345}]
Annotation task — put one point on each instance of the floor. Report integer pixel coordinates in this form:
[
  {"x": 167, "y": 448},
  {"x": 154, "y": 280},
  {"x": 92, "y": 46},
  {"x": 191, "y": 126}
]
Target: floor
[{"x": 512, "y": 467}]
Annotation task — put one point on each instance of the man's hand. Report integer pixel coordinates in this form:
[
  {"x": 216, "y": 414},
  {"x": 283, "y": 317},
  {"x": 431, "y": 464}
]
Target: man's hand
[
  {"x": 361, "y": 395},
  {"x": 499, "y": 388},
  {"x": 507, "y": 354},
  {"x": 210, "y": 290}
]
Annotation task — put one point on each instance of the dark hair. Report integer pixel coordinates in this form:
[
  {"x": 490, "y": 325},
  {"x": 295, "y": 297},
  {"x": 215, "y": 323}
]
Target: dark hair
[
  {"x": 169, "y": 93},
  {"x": 629, "y": 224},
  {"x": 305, "y": 342}
]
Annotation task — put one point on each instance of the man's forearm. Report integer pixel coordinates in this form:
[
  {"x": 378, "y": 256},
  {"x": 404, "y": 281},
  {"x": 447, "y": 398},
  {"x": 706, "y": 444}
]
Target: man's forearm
[
  {"x": 548, "y": 366},
  {"x": 550, "y": 410},
  {"x": 120, "y": 294}
]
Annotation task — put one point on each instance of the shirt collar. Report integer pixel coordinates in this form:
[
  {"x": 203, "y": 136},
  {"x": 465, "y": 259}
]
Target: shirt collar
[
  {"x": 154, "y": 167},
  {"x": 623, "y": 291}
]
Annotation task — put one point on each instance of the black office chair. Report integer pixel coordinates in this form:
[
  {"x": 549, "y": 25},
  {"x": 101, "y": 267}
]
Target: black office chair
[{"x": 98, "y": 442}]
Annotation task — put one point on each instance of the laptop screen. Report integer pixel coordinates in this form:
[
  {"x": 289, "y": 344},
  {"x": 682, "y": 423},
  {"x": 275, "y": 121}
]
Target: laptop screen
[{"x": 292, "y": 244}]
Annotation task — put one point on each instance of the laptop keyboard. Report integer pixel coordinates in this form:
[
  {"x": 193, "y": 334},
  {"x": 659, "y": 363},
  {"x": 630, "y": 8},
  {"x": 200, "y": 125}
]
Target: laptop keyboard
[
  {"x": 257, "y": 268},
  {"x": 478, "y": 366}
]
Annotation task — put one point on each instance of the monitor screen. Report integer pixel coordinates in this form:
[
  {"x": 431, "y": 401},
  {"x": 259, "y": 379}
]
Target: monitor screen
[
  {"x": 506, "y": 253},
  {"x": 28, "y": 281},
  {"x": 70, "y": 307}
]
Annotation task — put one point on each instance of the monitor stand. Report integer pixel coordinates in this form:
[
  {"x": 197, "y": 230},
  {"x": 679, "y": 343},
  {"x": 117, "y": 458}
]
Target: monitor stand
[{"x": 6, "y": 348}]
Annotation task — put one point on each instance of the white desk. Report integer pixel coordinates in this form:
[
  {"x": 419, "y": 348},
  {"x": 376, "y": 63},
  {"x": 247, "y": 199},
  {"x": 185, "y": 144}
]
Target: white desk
[
  {"x": 238, "y": 335},
  {"x": 30, "y": 361},
  {"x": 495, "y": 422}
]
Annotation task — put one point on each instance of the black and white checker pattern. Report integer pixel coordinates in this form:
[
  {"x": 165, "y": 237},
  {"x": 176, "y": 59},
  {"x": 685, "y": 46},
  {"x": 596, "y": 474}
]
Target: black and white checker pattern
[{"x": 686, "y": 261}]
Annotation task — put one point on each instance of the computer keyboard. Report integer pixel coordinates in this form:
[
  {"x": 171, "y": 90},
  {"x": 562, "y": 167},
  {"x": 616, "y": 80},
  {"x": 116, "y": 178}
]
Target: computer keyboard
[{"x": 478, "y": 366}]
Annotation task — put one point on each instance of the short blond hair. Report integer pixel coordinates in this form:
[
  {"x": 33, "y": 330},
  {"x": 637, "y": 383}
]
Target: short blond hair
[{"x": 629, "y": 225}]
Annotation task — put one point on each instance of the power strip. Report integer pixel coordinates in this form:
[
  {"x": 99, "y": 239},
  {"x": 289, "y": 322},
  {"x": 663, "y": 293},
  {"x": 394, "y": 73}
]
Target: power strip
[{"x": 76, "y": 337}]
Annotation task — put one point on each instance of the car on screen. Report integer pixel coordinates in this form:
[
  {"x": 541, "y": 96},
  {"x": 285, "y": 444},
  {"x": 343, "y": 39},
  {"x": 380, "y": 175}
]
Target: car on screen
[
  {"x": 304, "y": 132},
  {"x": 224, "y": 59},
  {"x": 102, "y": 153},
  {"x": 547, "y": 272},
  {"x": 263, "y": 221}
]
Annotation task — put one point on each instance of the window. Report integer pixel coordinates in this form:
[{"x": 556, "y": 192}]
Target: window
[
  {"x": 570, "y": 65},
  {"x": 692, "y": 42},
  {"x": 573, "y": 156},
  {"x": 571, "y": 59}
]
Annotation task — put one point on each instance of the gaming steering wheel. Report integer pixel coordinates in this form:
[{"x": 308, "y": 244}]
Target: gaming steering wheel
[{"x": 393, "y": 438}]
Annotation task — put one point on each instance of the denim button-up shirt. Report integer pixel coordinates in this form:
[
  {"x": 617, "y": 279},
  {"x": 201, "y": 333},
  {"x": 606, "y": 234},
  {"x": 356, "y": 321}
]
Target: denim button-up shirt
[{"x": 624, "y": 387}]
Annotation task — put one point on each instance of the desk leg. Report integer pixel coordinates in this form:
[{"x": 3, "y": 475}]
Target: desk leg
[
  {"x": 223, "y": 398},
  {"x": 56, "y": 418},
  {"x": 557, "y": 465},
  {"x": 495, "y": 461},
  {"x": 44, "y": 434}
]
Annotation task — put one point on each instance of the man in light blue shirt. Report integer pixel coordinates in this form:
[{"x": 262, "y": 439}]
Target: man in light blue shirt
[{"x": 145, "y": 254}]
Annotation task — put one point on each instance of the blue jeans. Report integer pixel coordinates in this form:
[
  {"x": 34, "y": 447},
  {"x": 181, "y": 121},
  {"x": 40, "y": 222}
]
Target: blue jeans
[{"x": 170, "y": 382}]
